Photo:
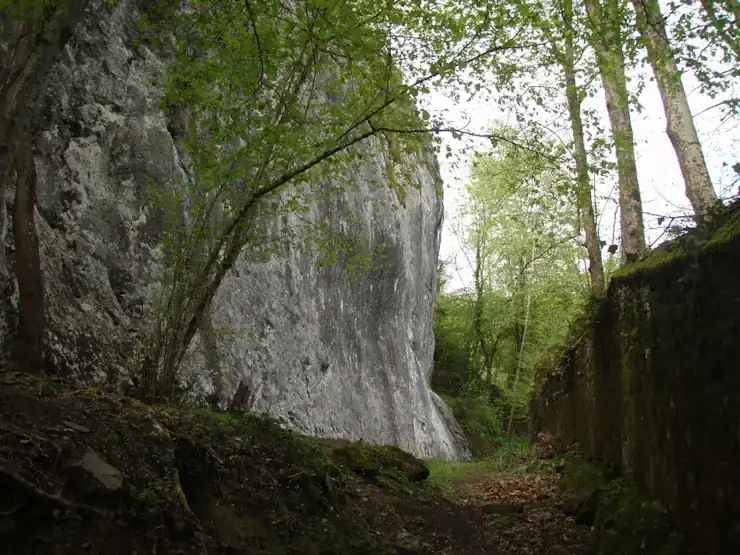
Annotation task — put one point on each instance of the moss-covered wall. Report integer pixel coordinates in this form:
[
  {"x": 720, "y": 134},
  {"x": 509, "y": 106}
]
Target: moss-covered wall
[{"x": 653, "y": 386}]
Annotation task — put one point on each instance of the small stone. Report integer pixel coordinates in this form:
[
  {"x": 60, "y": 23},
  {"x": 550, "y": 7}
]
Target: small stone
[
  {"x": 108, "y": 475},
  {"x": 76, "y": 427},
  {"x": 408, "y": 543}
]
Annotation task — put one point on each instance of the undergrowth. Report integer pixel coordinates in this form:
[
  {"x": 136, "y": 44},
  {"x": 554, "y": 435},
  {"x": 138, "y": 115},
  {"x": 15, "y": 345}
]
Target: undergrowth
[
  {"x": 514, "y": 456},
  {"x": 626, "y": 521},
  {"x": 83, "y": 469}
]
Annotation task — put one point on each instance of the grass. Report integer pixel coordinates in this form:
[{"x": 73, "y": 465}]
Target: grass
[{"x": 511, "y": 458}]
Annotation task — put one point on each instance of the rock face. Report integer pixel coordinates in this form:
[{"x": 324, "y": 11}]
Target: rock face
[
  {"x": 331, "y": 352},
  {"x": 652, "y": 387}
]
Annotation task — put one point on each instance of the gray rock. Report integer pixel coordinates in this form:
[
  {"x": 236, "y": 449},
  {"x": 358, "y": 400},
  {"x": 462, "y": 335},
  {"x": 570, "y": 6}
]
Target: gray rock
[
  {"x": 106, "y": 475},
  {"x": 328, "y": 352}
]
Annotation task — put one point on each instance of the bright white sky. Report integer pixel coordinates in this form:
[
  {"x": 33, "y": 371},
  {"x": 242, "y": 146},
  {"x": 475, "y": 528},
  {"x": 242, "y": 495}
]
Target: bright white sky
[{"x": 661, "y": 183}]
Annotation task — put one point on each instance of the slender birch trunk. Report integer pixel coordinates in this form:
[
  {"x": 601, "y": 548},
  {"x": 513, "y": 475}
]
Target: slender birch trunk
[
  {"x": 520, "y": 356},
  {"x": 680, "y": 123},
  {"x": 607, "y": 43},
  {"x": 479, "y": 306},
  {"x": 584, "y": 196}
]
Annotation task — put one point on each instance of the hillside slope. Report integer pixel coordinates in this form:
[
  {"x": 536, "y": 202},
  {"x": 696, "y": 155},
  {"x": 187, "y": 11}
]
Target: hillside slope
[{"x": 84, "y": 472}]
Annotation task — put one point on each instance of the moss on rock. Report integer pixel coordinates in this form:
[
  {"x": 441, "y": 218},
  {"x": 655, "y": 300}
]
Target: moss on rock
[
  {"x": 580, "y": 476},
  {"x": 628, "y": 522},
  {"x": 376, "y": 460},
  {"x": 170, "y": 480}
]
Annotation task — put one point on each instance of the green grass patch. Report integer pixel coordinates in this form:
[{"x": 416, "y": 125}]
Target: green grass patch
[{"x": 512, "y": 458}]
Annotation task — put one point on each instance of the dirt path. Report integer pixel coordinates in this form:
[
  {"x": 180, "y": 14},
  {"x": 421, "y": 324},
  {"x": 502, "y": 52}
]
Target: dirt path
[
  {"x": 82, "y": 472},
  {"x": 499, "y": 514}
]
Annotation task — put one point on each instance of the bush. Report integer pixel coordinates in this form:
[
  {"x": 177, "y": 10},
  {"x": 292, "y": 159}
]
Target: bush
[{"x": 480, "y": 420}]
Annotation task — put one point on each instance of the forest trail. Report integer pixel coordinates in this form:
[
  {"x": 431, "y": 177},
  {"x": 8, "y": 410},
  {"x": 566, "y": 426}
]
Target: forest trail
[
  {"x": 483, "y": 510},
  {"x": 83, "y": 471}
]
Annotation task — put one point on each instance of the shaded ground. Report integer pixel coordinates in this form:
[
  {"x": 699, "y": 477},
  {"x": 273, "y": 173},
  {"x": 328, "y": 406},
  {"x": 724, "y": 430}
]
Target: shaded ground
[
  {"x": 84, "y": 472},
  {"x": 482, "y": 508}
]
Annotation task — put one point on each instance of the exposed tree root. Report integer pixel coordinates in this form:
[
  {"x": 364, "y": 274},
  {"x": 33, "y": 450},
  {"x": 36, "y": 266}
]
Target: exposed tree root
[{"x": 38, "y": 492}]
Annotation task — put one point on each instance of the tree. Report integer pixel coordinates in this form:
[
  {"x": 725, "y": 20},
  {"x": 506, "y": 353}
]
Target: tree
[
  {"x": 480, "y": 228},
  {"x": 680, "y": 129},
  {"x": 519, "y": 232},
  {"x": 452, "y": 346},
  {"x": 606, "y": 37},
  {"x": 40, "y": 30},
  {"x": 530, "y": 80},
  {"x": 724, "y": 16},
  {"x": 278, "y": 99},
  {"x": 561, "y": 34},
  {"x": 585, "y": 198},
  {"x": 704, "y": 43}
]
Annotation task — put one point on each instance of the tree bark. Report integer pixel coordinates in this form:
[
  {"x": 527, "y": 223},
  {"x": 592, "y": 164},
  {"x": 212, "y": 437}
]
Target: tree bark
[
  {"x": 606, "y": 40},
  {"x": 39, "y": 42},
  {"x": 520, "y": 356},
  {"x": 479, "y": 306},
  {"x": 680, "y": 123},
  {"x": 584, "y": 196},
  {"x": 29, "y": 345}
]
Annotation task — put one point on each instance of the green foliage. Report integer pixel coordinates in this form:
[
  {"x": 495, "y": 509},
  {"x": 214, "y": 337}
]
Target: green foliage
[
  {"x": 480, "y": 420},
  {"x": 32, "y": 11},
  {"x": 452, "y": 344},
  {"x": 528, "y": 287},
  {"x": 271, "y": 101}
]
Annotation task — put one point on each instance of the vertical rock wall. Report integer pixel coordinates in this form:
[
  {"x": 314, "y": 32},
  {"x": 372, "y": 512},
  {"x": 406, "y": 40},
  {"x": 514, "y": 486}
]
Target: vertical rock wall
[
  {"x": 330, "y": 352},
  {"x": 342, "y": 353},
  {"x": 653, "y": 386}
]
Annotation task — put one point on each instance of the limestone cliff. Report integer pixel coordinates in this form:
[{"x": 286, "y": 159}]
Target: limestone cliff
[{"x": 331, "y": 353}]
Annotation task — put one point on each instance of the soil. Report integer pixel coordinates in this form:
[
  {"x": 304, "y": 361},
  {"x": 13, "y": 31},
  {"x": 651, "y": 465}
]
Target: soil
[
  {"x": 85, "y": 472},
  {"x": 512, "y": 514}
]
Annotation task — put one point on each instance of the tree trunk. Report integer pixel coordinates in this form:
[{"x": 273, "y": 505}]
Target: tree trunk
[
  {"x": 520, "y": 356},
  {"x": 209, "y": 349},
  {"x": 585, "y": 199},
  {"x": 479, "y": 306},
  {"x": 607, "y": 43},
  {"x": 38, "y": 45},
  {"x": 29, "y": 347},
  {"x": 680, "y": 126}
]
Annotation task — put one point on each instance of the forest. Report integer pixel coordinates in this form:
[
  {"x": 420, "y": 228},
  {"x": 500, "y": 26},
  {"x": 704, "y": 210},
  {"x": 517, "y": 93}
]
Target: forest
[
  {"x": 225, "y": 326},
  {"x": 531, "y": 214},
  {"x": 535, "y": 231}
]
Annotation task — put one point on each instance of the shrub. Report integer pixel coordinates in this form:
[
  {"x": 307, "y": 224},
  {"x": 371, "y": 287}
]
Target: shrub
[{"x": 480, "y": 420}]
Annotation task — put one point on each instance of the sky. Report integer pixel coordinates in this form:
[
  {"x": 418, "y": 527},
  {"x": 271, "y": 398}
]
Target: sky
[{"x": 659, "y": 175}]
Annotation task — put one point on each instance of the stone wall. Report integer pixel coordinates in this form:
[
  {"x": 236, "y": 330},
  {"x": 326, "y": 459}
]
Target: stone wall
[
  {"x": 330, "y": 353},
  {"x": 653, "y": 385}
]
